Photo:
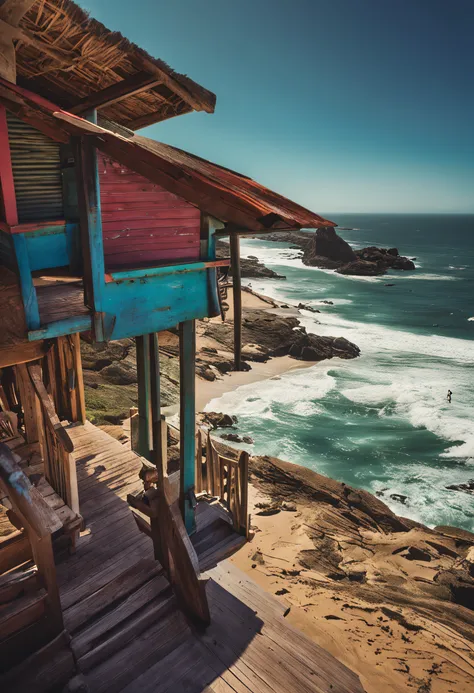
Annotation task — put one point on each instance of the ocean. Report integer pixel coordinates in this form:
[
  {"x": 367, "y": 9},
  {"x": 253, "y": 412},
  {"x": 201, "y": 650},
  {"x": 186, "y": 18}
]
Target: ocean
[{"x": 382, "y": 421}]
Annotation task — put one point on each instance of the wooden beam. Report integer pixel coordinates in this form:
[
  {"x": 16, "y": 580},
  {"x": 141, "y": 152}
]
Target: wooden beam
[
  {"x": 12, "y": 11},
  {"x": 7, "y": 187},
  {"x": 199, "y": 104},
  {"x": 130, "y": 86},
  {"x": 144, "y": 396},
  {"x": 237, "y": 296},
  {"x": 187, "y": 419}
]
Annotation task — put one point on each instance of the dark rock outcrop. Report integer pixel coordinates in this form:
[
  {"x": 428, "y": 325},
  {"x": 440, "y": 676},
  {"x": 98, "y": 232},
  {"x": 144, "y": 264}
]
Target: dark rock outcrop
[
  {"x": 328, "y": 250},
  {"x": 468, "y": 487},
  {"x": 278, "y": 335},
  {"x": 235, "y": 438},
  {"x": 216, "y": 419}
]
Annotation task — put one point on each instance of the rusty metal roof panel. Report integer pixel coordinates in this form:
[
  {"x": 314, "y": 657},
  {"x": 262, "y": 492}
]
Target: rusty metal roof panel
[{"x": 235, "y": 199}]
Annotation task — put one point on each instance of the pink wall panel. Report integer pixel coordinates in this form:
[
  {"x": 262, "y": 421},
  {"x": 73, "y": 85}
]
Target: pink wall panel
[{"x": 143, "y": 224}]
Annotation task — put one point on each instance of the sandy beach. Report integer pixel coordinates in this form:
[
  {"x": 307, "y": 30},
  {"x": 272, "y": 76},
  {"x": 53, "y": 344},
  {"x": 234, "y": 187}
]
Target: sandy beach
[{"x": 274, "y": 367}]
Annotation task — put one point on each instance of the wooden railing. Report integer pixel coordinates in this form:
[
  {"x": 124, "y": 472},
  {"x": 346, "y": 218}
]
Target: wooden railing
[
  {"x": 225, "y": 478},
  {"x": 172, "y": 545},
  {"x": 35, "y": 517},
  {"x": 59, "y": 466}
]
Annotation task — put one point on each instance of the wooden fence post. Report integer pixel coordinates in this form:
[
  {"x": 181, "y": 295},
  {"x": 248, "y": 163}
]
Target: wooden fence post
[
  {"x": 237, "y": 296},
  {"x": 199, "y": 486},
  {"x": 187, "y": 419},
  {"x": 244, "y": 493},
  {"x": 144, "y": 398}
]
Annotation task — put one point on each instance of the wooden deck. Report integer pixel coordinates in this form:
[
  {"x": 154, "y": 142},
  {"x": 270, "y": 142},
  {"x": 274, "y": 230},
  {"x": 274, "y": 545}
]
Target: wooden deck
[
  {"x": 128, "y": 633},
  {"x": 60, "y": 300}
]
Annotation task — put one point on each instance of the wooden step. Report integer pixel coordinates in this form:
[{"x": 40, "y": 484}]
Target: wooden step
[
  {"x": 145, "y": 649},
  {"x": 213, "y": 534},
  {"x": 113, "y": 619},
  {"x": 127, "y": 577},
  {"x": 21, "y": 613},
  {"x": 130, "y": 629},
  {"x": 18, "y": 582},
  {"x": 50, "y": 668}
]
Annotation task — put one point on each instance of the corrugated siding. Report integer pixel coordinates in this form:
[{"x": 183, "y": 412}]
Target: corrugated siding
[
  {"x": 36, "y": 173},
  {"x": 142, "y": 223}
]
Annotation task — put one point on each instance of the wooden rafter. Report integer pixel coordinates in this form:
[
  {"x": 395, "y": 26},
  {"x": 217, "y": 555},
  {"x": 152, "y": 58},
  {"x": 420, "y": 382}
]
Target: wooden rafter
[{"x": 130, "y": 86}]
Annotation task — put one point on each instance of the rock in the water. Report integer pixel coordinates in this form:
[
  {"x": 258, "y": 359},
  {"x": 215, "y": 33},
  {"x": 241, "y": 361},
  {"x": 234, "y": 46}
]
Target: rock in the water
[
  {"x": 328, "y": 245},
  {"x": 327, "y": 249},
  {"x": 304, "y": 306},
  {"x": 218, "y": 419},
  {"x": 399, "y": 497},
  {"x": 235, "y": 438},
  {"x": 468, "y": 487}
]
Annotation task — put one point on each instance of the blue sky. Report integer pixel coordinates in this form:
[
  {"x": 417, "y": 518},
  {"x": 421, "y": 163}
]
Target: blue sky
[{"x": 342, "y": 105}]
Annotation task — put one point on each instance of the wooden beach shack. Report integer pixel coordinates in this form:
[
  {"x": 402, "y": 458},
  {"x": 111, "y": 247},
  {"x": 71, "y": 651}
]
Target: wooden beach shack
[{"x": 112, "y": 571}]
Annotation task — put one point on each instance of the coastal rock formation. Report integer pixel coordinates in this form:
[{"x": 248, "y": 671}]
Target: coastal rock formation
[
  {"x": 327, "y": 249},
  {"x": 215, "y": 419},
  {"x": 312, "y": 347},
  {"x": 468, "y": 487},
  {"x": 324, "y": 248},
  {"x": 330, "y": 251},
  {"x": 278, "y": 335}
]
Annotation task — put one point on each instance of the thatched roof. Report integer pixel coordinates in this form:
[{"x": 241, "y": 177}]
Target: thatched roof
[
  {"x": 238, "y": 201},
  {"x": 67, "y": 57}
]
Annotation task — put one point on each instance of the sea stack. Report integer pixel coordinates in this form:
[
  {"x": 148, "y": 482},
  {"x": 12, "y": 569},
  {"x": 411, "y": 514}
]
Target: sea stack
[{"x": 328, "y": 250}]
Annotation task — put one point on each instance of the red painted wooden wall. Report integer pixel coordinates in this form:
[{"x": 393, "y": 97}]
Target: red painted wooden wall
[{"x": 142, "y": 223}]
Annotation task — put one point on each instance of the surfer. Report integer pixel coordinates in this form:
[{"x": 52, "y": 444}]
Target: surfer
[{"x": 450, "y": 394}]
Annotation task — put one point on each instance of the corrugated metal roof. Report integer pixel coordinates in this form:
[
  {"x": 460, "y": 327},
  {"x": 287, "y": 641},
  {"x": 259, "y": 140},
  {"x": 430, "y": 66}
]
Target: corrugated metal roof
[{"x": 238, "y": 201}]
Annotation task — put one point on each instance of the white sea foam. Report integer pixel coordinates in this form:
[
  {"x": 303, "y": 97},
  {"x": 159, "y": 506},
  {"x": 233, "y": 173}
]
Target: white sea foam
[{"x": 295, "y": 390}]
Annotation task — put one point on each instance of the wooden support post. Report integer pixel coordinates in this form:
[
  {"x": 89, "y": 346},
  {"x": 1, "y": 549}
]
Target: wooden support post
[
  {"x": 144, "y": 396},
  {"x": 33, "y": 420},
  {"x": 28, "y": 291},
  {"x": 209, "y": 225},
  {"x": 199, "y": 483},
  {"x": 244, "y": 493},
  {"x": 237, "y": 294},
  {"x": 91, "y": 227},
  {"x": 75, "y": 341},
  {"x": 187, "y": 419},
  {"x": 159, "y": 452}
]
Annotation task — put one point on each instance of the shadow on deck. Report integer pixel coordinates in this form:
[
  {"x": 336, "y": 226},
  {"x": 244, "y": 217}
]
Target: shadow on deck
[{"x": 127, "y": 631}]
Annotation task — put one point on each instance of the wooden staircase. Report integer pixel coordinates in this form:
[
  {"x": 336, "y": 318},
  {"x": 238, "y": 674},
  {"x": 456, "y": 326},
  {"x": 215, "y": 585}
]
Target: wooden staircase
[
  {"x": 31, "y": 624},
  {"x": 123, "y": 627}
]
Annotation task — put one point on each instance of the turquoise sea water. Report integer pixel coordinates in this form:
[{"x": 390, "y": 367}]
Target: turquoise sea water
[{"x": 381, "y": 422}]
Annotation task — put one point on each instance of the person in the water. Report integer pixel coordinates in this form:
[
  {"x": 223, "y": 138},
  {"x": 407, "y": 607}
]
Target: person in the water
[{"x": 450, "y": 394}]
